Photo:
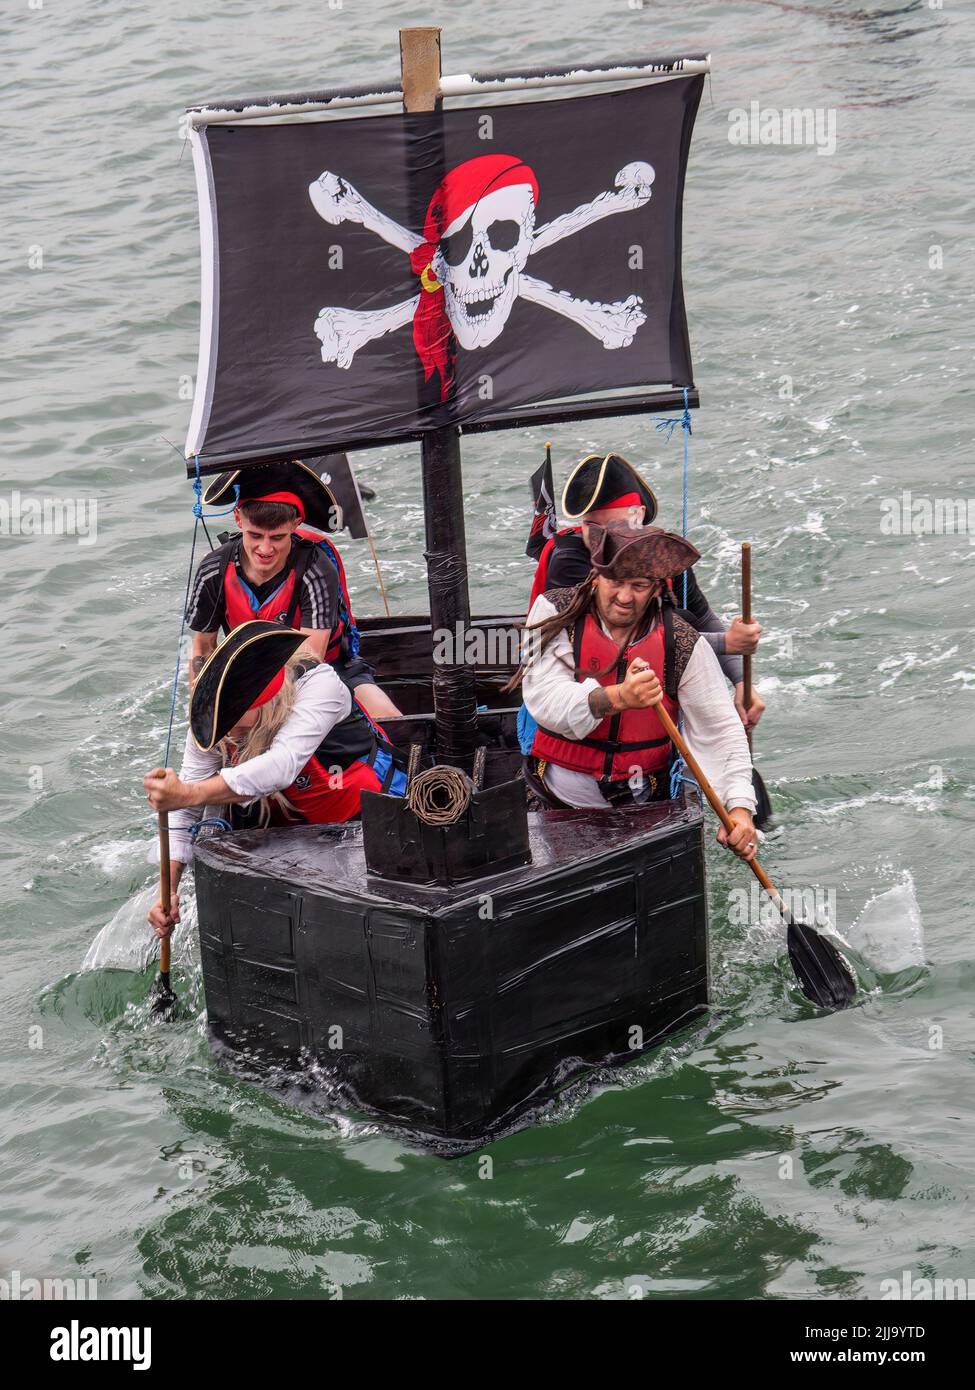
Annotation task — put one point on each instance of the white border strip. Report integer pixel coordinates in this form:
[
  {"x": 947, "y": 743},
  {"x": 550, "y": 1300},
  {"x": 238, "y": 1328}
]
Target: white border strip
[
  {"x": 209, "y": 297},
  {"x": 457, "y": 85}
]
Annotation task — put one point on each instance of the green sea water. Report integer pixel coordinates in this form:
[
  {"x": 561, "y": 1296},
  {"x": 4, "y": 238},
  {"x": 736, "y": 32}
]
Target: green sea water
[{"x": 775, "y": 1152}]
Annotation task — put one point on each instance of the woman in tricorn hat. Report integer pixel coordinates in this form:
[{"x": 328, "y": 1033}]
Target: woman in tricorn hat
[
  {"x": 607, "y": 490},
  {"x": 282, "y": 568},
  {"x": 600, "y": 657},
  {"x": 277, "y": 739}
]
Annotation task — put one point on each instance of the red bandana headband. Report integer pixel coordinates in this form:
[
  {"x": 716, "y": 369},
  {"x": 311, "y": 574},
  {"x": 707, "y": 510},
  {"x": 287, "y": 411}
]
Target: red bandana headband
[
  {"x": 457, "y": 192},
  {"x": 290, "y": 499},
  {"x": 273, "y": 685},
  {"x": 629, "y": 499}
]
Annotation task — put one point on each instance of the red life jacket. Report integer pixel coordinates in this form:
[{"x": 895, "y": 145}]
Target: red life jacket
[
  {"x": 541, "y": 569},
  {"x": 630, "y": 739},
  {"x": 345, "y": 618},
  {"x": 327, "y": 789},
  {"x": 284, "y": 605},
  {"x": 355, "y": 756}
]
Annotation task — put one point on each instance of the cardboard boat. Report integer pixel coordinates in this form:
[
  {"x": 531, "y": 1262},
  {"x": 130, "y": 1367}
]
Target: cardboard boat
[
  {"x": 451, "y": 1000},
  {"x": 446, "y": 976}
]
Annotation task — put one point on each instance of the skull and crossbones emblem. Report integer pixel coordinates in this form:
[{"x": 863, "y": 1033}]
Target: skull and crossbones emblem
[{"x": 478, "y": 235}]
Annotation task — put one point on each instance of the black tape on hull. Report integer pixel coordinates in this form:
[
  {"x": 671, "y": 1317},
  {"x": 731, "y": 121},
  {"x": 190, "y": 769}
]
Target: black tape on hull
[{"x": 449, "y": 1010}]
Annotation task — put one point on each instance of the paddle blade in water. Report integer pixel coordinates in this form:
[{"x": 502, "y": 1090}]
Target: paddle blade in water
[
  {"x": 822, "y": 972},
  {"x": 164, "y": 1003},
  {"x": 763, "y": 802}
]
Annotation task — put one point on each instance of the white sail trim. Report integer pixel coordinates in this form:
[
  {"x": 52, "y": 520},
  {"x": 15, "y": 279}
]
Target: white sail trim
[
  {"x": 280, "y": 109},
  {"x": 209, "y": 292}
]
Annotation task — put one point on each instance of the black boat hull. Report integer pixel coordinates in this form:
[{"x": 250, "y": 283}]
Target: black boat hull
[{"x": 451, "y": 1010}]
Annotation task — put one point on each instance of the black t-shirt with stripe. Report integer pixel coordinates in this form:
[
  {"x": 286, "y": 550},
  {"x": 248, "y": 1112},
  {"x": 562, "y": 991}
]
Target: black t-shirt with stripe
[{"x": 205, "y": 611}]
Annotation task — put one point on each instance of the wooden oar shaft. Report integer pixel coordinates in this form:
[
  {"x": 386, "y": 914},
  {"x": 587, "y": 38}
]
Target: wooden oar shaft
[
  {"x": 746, "y": 581},
  {"x": 165, "y": 895},
  {"x": 674, "y": 734},
  {"x": 746, "y": 613},
  {"x": 379, "y": 574}
]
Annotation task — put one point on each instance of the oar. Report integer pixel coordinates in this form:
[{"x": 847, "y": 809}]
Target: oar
[
  {"x": 164, "y": 1001},
  {"x": 763, "y": 802},
  {"x": 379, "y": 573},
  {"x": 822, "y": 972}
]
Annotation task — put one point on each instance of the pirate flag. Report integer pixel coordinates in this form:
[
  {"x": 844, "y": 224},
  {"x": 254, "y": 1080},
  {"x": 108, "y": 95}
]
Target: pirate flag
[
  {"x": 543, "y": 523},
  {"x": 370, "y": 280}
]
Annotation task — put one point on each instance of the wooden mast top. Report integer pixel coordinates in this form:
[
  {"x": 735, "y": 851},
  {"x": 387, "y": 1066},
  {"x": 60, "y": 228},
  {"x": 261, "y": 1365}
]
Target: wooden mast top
[{"x": 419, "y": 51}]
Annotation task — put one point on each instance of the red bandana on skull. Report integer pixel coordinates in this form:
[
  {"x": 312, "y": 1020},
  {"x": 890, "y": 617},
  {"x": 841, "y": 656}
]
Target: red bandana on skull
[{"x": 457, "y": 193}]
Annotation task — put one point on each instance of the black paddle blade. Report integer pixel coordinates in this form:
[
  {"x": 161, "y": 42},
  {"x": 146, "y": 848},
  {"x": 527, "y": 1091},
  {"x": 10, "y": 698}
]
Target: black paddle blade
[
  {"x": 165, "y": 1004},
  {"x": 822, "y": 972},
  {"x": 763, "y": 802}
]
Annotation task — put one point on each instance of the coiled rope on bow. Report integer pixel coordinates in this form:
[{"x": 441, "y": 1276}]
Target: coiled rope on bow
[{"x": 440, "y": 795}]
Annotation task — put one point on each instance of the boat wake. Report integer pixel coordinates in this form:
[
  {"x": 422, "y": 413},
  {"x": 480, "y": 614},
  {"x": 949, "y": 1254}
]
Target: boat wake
[
  {"x": 128, "y": 943},
  {"x": 887, "y": 939}
]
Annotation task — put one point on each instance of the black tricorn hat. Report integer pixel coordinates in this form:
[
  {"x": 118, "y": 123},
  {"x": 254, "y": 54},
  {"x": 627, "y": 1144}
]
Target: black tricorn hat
[
  {"x": 639, "y": 552},
  {"x": 599, "y": 481},
  {"x": 294, "y": 483},
  {"x": 236, "y": 675}
]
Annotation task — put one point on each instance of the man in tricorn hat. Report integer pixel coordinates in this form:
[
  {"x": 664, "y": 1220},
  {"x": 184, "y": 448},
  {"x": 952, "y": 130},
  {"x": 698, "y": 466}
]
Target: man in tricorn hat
[
  {"x": 600, "y": 657},
  {"x": 281, "y": 570},
  {"x": 274, "y": 737},
  {"x": 607, "y": 490}
]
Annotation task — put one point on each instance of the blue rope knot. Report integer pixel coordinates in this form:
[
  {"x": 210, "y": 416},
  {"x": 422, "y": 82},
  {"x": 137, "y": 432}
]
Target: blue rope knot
[
  {"x": 670, "y": 422},
  {"x": 209, "y": 820},
  {"x": 198, "y": 489},
  {"x": 678, "y": 768}
]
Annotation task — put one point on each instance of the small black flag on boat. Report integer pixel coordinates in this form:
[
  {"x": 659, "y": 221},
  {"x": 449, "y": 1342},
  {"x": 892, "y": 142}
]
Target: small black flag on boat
[
  {"x": 336, "y": 472},
  {"x": 543, "y": 496}
]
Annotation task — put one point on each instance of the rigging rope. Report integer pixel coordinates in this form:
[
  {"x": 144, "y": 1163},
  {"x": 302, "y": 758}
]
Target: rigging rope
[
  {"x": 198, "y": 515},
  {"x": 198, "y": 521},
  {"x": 669, "y": 424},
  {"x": 677, "y": 769}
]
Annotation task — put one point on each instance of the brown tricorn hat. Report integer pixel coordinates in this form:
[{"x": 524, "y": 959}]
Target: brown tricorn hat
[{"x": 639, "y": 552}]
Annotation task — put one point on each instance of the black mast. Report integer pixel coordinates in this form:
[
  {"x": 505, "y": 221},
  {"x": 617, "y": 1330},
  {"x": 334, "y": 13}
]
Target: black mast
[{"x": 454, "y": 699}]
